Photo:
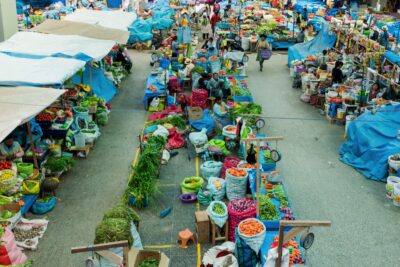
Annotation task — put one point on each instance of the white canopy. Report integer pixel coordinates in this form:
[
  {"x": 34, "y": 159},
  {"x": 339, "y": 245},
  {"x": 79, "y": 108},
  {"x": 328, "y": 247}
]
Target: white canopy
[
  {"x": 64, "y": 27},
  {"x": 19, "y": 105},
  {"x": 111, "y": 19},
  {"x": 34, "y": 43},
  {"x": 45, "y": 71}
]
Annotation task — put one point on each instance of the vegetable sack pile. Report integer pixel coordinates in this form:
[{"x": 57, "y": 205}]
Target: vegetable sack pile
[{"x": 251, "y": 227}]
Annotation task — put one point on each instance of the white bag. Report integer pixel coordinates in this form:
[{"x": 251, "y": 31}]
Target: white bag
[
  {"x": 155, "y": 102},
  {"x": 198, "y": 137},
  {"x": 161, "y": 131},
  {"x": 273, "y": 255},
  {"x": 226, "y": 261},
  {"x": 211, "y": 254}
]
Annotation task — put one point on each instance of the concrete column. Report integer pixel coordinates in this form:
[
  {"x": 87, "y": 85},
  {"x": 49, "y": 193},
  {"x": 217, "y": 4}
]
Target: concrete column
[{"x": 8, "y": 19}]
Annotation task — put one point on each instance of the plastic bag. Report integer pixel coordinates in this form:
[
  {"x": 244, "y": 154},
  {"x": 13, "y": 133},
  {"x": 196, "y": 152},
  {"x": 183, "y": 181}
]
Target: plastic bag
[
  {"x": 229, "y": 134},
  {"x": 210, "y": 256},
  {"x": 10, "y": 254},
  {"x": 273, "y": 255},
  {"x": 198, "y": 137},
  {"x": 175, "y": 141},
  {"x": 40, "y": 207},
  {"x": 161, "y": 131},
  {"x": 226, "y": 261},
  {"x": 211, "y": 168},
  {"x": 191, "y": 184},
  {"x": 235, "y": 186},
  {"x": 217, "y": 191},
  {"x": 31, "y": 190},
  {"x": 204, "y": 197},
  {"x": 25, "y": 224},
  {"x": 218, "y": 219}
]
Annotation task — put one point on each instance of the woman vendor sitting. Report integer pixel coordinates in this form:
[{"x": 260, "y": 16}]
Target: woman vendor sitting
[
  {"x": 187, "y": 71},
  {"x": 11, "y": 150},
  {"x": 221, "y": 114}
]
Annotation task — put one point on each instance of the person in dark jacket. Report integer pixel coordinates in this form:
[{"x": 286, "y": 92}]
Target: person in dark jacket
[
  {"x": 337, "y": 74},
  {"x": 203, "y": 81},
  {"x": 391, "y": 94}
]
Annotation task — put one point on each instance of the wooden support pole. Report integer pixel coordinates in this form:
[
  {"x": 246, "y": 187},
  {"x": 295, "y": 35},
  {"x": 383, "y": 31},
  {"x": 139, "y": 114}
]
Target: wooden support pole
[
  {"x": 258, "y": 177},
  {"x": 32, "y": 144}
]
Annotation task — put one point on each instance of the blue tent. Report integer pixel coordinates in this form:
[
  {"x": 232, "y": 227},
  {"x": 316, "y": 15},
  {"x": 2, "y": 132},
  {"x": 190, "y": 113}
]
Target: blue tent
[
  {"x": 324, "y": 40},
  {"x": 392, "y": 57},
  {"x": 371, "y": 139},
  {"x": 101, "y": 85}
]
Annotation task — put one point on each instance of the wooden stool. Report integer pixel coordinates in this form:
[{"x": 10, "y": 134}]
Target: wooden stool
[
  {"x": 85, "y": 150},
  {"x": 219, "y": 233},
  {"x": 187, "y": 84},
  {"x": 202, "y": 226},
  {"x": 185, "y": 236}
]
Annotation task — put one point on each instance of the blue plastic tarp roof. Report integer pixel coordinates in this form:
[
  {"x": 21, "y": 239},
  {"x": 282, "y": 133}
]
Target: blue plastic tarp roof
[
  {"x": 392, "y": 57},
  {"x": 311, "y": 5},
  {"x": 101, "y": 85},
  {"x": 324, "y": 40},
  {"x": 371, "y": 139},
  {"x": 394, "y": 28}
]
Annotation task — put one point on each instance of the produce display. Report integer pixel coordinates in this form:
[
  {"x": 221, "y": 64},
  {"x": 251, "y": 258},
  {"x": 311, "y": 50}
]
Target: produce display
[
  {"x": 122, "y": 211},
  {"x": 251, "y": 227},
  {"x": 268, "y": 210},
  {"x": 149, "y": 262},
  {"x": 237, "y": 172},
  {"x": 6, "y": 175},
  {"x": 112, "y": 230},
  {"x": 241, "y": 205},
  {"x": 5, "y": 165},
  {"x": 247, "y": 166},
  {"x": 218, "y": 209},
  {"x": 295, "y": 256},
  {"x": 59, "y": 164}
]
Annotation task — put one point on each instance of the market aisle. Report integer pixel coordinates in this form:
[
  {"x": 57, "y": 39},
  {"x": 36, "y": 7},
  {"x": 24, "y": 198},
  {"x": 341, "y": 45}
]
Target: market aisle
[
  {"x": 97, "y": 183},
  {"x": 321, "y": 187}
]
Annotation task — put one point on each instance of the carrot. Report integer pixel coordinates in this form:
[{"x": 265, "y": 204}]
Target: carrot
[{"x": 251, "y": 227}]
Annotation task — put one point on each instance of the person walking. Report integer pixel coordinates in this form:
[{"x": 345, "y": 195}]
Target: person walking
[
  {"x": 261, "y": 48},
  {"x": 205, "y": 27},
  {"x": 215, "y": 18}
]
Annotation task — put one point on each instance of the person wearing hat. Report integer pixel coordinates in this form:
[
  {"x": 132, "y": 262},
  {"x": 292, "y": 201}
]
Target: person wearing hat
[
  {"x": 262, "y": 44},
  {"x": 11, "y": 150},
  {"x": 384, "y": 37},
  {"x": 215, "y": 86},
  {"x": 187, "y": 71}
]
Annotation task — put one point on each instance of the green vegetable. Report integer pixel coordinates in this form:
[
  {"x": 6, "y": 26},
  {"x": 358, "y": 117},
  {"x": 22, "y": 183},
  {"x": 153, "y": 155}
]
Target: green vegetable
[
  {"x": 122, "y": 211},
  {"x": 199, "y": 70},
  {"x": 112, "y": 230},
  {"x": 268, "y": 210},
  {"x": 239, "y": 109},
  {"x": 218, "y": 209},
  {"x": 178, "y": 121},
  {"x": 88, "y": 131},
  {"x": 6, "y": 214},
  {"x": 149, "y": 262},
  {"x": 5, "y": 200},
  {"x": 58, "y": 164},
  {"x": 30, "y": 184}
]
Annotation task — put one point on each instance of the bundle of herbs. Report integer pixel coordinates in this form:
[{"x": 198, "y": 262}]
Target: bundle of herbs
[
  {"x": 112, "y": 230},
  {"x": 122, "y": 211},
  {"x": 59, "y": 164},
  {"x": 176, "y": 120}
]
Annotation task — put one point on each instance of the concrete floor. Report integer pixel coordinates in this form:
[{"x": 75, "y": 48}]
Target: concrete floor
[{"x": 319, "y": 185}]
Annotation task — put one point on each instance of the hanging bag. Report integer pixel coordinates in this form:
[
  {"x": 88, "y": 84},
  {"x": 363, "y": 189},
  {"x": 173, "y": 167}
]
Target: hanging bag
[{"x": 266, "y": 53}]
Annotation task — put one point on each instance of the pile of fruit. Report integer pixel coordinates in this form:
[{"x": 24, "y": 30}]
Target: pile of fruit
[
  {"x": 44, "y": 117},
  {"x": 6, "y": 175},
  {"x": 5, "y": 165}
]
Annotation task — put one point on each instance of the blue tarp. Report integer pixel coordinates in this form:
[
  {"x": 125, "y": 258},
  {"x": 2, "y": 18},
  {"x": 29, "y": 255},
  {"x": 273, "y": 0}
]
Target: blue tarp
[
  {"x": 392, "y": 57},
  {"x": 140, "y": 31},
  {"x": 101, "y": 85},
  {"x": 312, "y": 6},
  {"x": 205, "y": 122},
  {"x": 152, "y": 80},
  {"x": 394, "y": 28},
  {"x": 324, "y": 40},
  {"x": 371, "y": 139}
]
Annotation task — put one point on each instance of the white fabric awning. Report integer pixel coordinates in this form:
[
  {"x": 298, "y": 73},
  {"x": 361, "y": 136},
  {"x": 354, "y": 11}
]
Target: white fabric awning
[
  {"x": 19, "y": 105},
  {"x": 41, "y": 44},
  {"x": 65, "y": 27},
  {"x": 111, "y": 19},
  {"x": 46, "y": 71}
]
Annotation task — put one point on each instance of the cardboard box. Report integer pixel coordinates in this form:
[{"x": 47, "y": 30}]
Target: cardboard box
[
  {"x": 195, "y": 113},
  {"x": 137, "y": 256}
]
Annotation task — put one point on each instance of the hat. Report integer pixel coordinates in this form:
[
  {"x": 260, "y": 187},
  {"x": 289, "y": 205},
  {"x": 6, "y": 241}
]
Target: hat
[
  {"x": 384, "y": 28},
  {"x": 184, "y": 11},
  {"x": 187, "y": 61}
]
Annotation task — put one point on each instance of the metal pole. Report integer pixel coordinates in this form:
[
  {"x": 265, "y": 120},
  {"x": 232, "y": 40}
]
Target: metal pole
[{"x": 32, "y": 144}]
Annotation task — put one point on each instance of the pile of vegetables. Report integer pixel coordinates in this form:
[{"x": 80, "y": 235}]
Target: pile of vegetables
[
  {"x": 237, "y": 172},
  {"x": 295, "y": 256},
  {"x": 6, "y": 175},
  {"x": 178, "y": 121},
  {"x": 241, "y": 205},
  {"x": 149, "y": 262},
  {"x": 199, "y": 70},
  {"x": 142, "y": 183},
  {"x": 239, "y": 91},
  {"x": 122, "y": 211},
  {"x": 5, "y": 165},
  {"x": 239, "y": 109},
  {"x": 268, "y": 27},
  {"x": 251, "y": 227},
  {"x": 218, "y": 209},
  {"x": 247, "y": 166},
  {"x": 112, "y": 230},
  {"x": 280, "y": 195},
  {"x": 268, "y": 210},
  {"x": 59, "y": 164},
  {"x": 6, "y": 214}
]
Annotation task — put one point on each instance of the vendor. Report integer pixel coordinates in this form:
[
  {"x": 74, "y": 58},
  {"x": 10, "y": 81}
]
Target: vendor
[
  {"x": 187, "y": 71},
  {"x": 11, "y": 150},
  {"x": 323, "y": 59},
  {"x": 337, "y": 74},
  {"x": 384, "y": 37},
  {"x": 208, "y": 44},
  {"x": 300, "y": 36},
  {"x": 391, "y": 94},
  {"x": 175, "y": 46},
  {"x": 215, "y": 86},
  {"x": 374, "y": 91},
  {"x": 215, "y": 18},
  {"x": 202, "y": 83},
  {"x": 220, "y": 110}
]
